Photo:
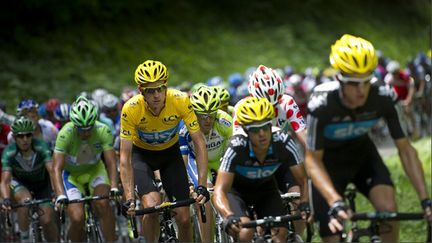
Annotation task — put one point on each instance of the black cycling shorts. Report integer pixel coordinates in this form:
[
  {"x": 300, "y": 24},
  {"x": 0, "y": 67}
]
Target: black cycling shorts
[
  {"x": 266, "y": 201},
  {"x": 39, "y": 190},
  {"x": 365, "y": 169},
  {"x": 172, "y": 171}
]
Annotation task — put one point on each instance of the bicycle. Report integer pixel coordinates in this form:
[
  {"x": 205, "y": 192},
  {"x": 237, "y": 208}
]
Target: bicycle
[
  {"x": 288, "y": 200},
  {"x": 377, "y": 221},
  {"x": 92, "y": 225},
  {"x": 267, "y": 223},
  {"x": 220, "y": 235},
  {"x": 34, "y": 214},
  {"x": 167, "y": 230}
]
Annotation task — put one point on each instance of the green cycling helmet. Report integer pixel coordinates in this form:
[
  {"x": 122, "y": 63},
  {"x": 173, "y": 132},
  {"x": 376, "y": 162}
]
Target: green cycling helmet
[
  {"x": 205, "y": 100},
  {"x": 223, "y": 95},
  {"x": 196, "y": 86},
  {"x": 83, "y": 112},
  {"x": 22, "y": 125}
]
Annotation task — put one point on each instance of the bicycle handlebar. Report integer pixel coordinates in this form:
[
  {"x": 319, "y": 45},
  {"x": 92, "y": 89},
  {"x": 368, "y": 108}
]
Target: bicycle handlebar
[
  {"x": 270, "y": 222},
  {"x": 31, "y": 203},
  {"x": 165, "y": 205},
  {"x": 88, "y": 199},
  {"x": 388, "y": 216}
]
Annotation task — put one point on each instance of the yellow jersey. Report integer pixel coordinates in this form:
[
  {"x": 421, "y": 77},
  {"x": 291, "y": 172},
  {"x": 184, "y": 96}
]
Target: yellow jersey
[{"x": 157, "y": 132}]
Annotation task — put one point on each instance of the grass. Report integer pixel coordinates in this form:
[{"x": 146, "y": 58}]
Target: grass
[{"x": 406, "y": 197}]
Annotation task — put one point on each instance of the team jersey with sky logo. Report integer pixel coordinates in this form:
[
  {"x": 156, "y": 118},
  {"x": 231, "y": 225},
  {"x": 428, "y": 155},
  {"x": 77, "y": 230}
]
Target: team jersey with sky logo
[
  {"x": 331, "y": 125},
  {"x": 160, "y": 132},
  {"x": 287, "y": 114},
  {"x": 82, "y": 155},
  {"x": 216, "y": 140},
  {"x": 240, "y": 159},
  {"x": 28, "y": 170}
]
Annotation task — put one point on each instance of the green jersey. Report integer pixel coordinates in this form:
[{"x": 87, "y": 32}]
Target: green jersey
[
  {"x": 82, "y": 155},
  {"x": 27, "y": 170}
]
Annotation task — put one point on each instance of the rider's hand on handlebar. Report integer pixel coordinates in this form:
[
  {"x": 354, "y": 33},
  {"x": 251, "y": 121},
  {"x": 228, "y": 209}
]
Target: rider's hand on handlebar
[
  {"x": 305, "y": 211},
  {"x": 427, "y": 207},
  {"x": 129, "y": 207},
  {"x": 203, "y": 194},
  {"x": 231, "y": 225},
  {"x": 337, "y": 213},
  {"x": 61, "y": 200},
  {"x": 7, "y": 204},
  {"x": 115, "y": 193}
]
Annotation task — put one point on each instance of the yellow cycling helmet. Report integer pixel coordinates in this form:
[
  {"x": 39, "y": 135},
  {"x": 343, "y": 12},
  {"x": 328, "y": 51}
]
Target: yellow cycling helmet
[
  {"x": 254, "y": 109},
  {"x": 150, "y": 71},
  {"x": 205, "y": 100},
  {"x": 353, "y": 55}
]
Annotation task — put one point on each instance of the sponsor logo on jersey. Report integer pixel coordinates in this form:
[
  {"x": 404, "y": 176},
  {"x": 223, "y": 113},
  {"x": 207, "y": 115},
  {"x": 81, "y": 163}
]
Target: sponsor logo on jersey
[
  {"x": 97, "y": 145},
  {"x": 225, "y": 122},
  {"x": 158, "y": 137},
  {"x": 125, "y": 132},
  {"x": 170, "y": 119},
  {"x": 348, "y": 130},
  {"x": 193, "y": 124},
  {"x": 238, "y": 141},
  {"x": 257, "y": 172},
  {"x": 214, "y": 144}
]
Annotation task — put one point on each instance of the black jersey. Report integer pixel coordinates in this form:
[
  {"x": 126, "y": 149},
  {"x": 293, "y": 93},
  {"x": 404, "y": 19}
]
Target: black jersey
[
  {"x": 240, "y": 159},
  {"x": 331, "y": 125}
]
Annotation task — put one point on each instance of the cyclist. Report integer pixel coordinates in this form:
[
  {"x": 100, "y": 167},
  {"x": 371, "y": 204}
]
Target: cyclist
[
  {"x": 339, "y": 149},
  {"x": 61, "y": 114},
  {"x": 27, "y": 165},
  {"x": 247, "y": 173},
  {"x": 78, "y": 167},
  {"x": 149, "y": 142},
  {"x": 45, "y": 129},
  {"x": 266, "y": 83},
  {"x": 216, "y": 125},
  {"x": 404, "y": 87}
]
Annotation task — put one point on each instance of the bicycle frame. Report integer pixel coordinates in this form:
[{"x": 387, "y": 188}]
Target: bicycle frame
[{"x": 34, "y": 214}]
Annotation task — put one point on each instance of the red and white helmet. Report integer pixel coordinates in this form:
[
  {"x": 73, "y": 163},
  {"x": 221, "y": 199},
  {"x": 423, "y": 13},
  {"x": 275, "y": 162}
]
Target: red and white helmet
[{"x": 266, "y": 83}]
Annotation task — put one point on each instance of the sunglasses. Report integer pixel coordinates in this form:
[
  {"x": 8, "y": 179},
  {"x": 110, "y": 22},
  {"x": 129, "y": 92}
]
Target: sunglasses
[
  {"x": 84, "y": 129},
  {"x": 353, "y": 81},
  {"x": 204, "y": 116},
  {"x": 152, "y": 90},
  {"x": 27, "y": 135},
  {"x": 256, "y": 128}
]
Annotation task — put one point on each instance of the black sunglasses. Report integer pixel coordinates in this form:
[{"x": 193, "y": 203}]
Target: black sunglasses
[{"x": 27, "y": 135}]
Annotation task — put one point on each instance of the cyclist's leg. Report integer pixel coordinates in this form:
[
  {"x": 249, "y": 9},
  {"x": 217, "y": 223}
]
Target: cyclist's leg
[
  {"x": 75, "y": 211},
  {"x": 175, "y": 182},
  {"x": 47, "y": 219},
  {"x": 147, "y": 192},
  {"x": 269, "y": 203},
  {"x": 287, "y": 183},
  {"x": 374, "y": 181},
  {"x": 100, "y": 186},
  {"x": 19, "y": 194}
]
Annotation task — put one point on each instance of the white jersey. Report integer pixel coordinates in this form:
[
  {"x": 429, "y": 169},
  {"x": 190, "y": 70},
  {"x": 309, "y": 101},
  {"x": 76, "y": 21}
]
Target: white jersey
[{"x": 287, "y": 113}]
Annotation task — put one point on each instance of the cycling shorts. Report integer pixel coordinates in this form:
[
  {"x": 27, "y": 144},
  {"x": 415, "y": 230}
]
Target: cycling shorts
[
  {"x": 285, "y": 178},
  {"x": 76, "y": 184},
  {"x": 266, "y": 201},
  {"x": 172, "y": 170},
  {"x": 39, "y": 191},
  {"x": 365, "y": 170}
]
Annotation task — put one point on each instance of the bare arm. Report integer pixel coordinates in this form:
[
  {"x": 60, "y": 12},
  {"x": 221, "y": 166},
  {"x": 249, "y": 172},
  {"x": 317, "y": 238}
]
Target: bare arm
[
  {"x": 201, "y": 156},
  {"x": 57, "y": 178},
  {"x": 126, "y": 172},
  {"x": 299, "y": 174},
  {"x": 111, "y": 164},
  {"x": 49, "y": 166},
  {"x": 6, "y": 178},
  {"x": 320, "y": 178},
  {"x": 412, "y": 166},
  {"x": 221, "y": 188},
  {"x": 301, "y": 136}
]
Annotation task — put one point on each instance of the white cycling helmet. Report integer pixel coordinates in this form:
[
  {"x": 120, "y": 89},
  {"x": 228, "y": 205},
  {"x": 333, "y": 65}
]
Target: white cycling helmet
[
  {"x": 266, "y": 83},
  {"x": 295, "y": 79},
  {"x": 110, "y": 101},
  {"x": 392, "y": 66}
]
